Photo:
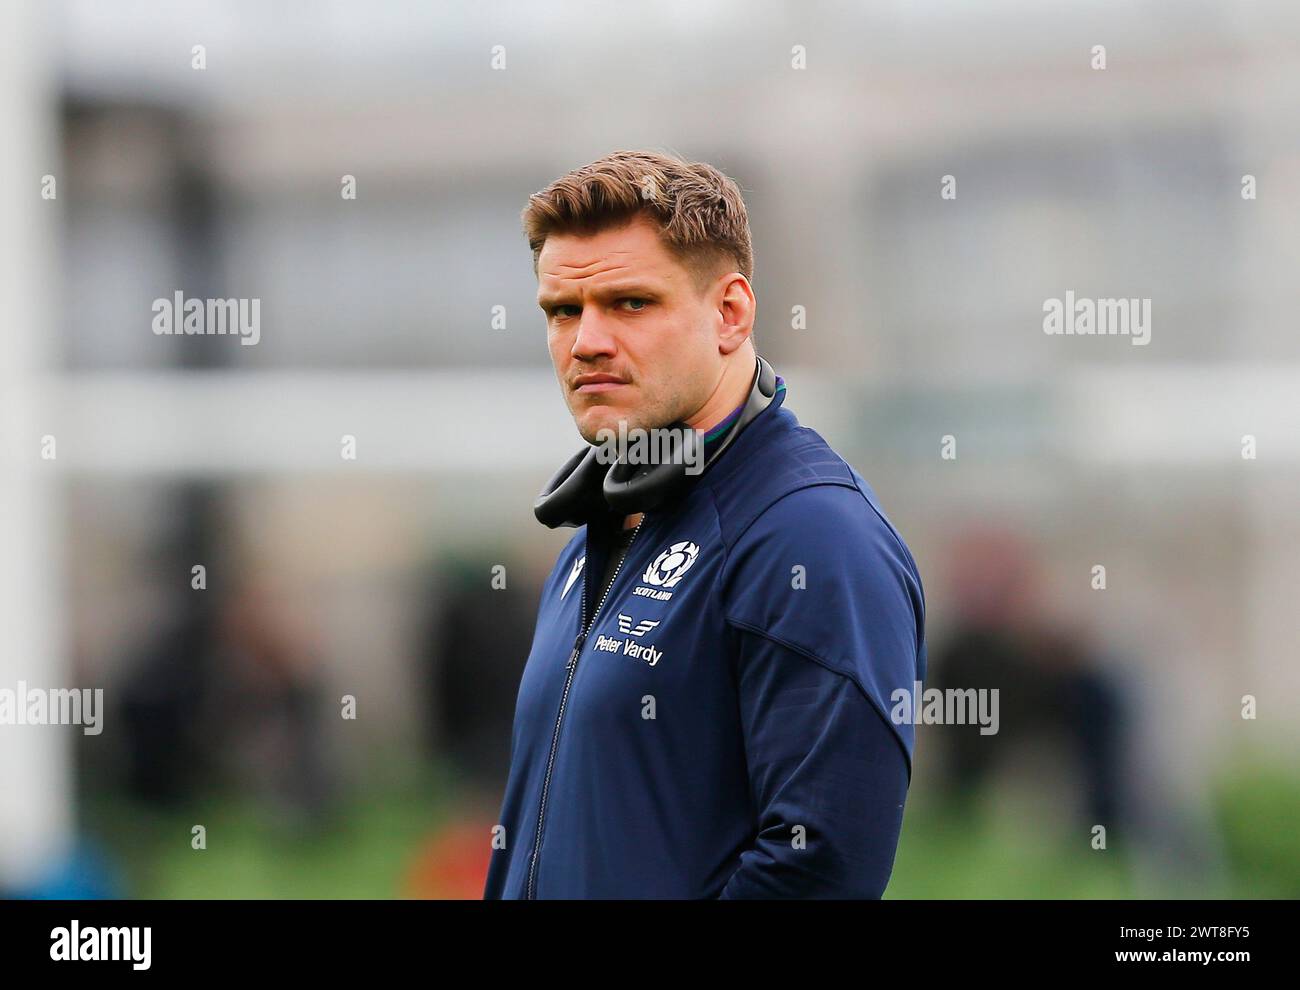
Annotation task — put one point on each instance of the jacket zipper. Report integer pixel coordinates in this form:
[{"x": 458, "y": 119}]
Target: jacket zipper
[{"x": 585, "y": 627}]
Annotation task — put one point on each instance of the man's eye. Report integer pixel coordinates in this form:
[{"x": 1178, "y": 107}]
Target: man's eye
[
  {"x": 642, "y": 304},
  {"x": 559, "y": 311}
]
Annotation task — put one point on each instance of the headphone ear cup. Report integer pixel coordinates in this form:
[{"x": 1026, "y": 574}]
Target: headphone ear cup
[
  {"x": 632, "y": 488},
  {"x": 573, "y": 495}
]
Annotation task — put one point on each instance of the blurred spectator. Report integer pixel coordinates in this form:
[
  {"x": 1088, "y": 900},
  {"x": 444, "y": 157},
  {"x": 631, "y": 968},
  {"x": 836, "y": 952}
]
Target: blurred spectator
[
  {"x": 1050, "y": 682},
  {"x": 479, "y": 638}
]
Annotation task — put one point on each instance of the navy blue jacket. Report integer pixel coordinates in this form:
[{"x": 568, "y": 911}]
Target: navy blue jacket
[{"x": 724, "y": 727}]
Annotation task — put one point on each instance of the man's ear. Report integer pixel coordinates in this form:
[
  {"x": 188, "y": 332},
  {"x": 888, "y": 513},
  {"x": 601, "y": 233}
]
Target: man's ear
[{"x": 736, "y": 308}]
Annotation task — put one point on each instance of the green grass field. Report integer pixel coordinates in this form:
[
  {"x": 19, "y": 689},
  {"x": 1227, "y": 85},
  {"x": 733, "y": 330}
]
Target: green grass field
[{"x": 373, "y": 844}]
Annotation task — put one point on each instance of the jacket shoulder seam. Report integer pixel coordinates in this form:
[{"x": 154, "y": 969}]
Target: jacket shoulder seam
[
  {"x": 800, "y": 486},
  {"x": 816, "y": 658}
]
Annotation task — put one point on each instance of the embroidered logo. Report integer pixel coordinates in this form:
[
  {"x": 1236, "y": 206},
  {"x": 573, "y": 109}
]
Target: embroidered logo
[
  {"x": 573, "y": 576},
  {"x": 670, "y": 565}
]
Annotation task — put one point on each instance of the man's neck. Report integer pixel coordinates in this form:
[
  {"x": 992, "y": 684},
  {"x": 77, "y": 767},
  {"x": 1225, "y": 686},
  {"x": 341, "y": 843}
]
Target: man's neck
[
  {"x": 728, "y": 396},
  {"x": 730, "y": 393},
  {"x": 725, "y": 403}
]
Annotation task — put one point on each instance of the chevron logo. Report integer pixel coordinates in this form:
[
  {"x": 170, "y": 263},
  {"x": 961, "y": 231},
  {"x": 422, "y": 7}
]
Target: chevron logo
[{"x": 640, "y": 629}]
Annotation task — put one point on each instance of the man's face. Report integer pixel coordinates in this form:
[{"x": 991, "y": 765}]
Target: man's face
[{"x": 630, "y": 335}]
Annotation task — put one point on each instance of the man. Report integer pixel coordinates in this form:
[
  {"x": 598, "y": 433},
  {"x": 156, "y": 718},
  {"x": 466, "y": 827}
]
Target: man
[{"x": 705, "y": 711}]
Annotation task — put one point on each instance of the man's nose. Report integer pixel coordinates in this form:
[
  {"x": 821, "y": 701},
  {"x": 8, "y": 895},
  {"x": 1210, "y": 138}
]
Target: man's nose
[{"x": 594, "y": 336}]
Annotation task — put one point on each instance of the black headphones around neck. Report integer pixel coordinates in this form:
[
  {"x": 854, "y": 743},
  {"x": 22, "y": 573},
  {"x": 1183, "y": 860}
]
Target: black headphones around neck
[{"x": 585, "y": 488}]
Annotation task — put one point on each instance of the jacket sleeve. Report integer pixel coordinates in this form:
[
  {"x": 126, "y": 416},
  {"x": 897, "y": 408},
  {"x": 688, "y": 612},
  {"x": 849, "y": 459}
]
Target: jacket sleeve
[
  {"x": 828, "y": 615},
  {"x": 828, "y": 779}
]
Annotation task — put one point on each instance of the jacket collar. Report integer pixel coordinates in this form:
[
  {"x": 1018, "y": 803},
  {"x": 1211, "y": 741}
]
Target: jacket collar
[{"x": 737, "y": 457}]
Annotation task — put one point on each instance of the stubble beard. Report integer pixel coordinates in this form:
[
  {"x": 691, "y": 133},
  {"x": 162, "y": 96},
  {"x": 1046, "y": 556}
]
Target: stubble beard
[{"x": 666, "y": 413}]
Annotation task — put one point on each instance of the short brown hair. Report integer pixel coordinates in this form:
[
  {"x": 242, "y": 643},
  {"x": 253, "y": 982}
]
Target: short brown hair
[{"x": 700, "y": 212}]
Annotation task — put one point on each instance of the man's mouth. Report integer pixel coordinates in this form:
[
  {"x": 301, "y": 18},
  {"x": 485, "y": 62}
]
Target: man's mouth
[{"x": 590, "y": 384}]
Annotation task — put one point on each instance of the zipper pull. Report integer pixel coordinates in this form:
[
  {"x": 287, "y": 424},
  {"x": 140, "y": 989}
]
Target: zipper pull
[{"x": 577, "y": 648}]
